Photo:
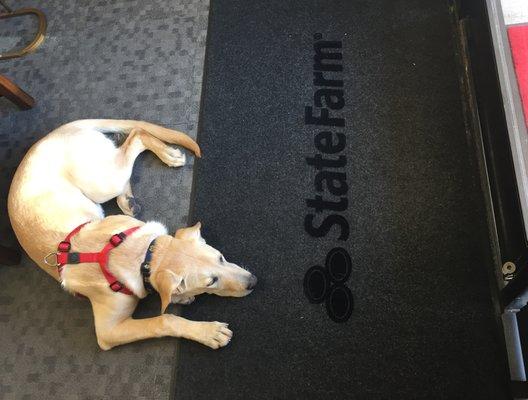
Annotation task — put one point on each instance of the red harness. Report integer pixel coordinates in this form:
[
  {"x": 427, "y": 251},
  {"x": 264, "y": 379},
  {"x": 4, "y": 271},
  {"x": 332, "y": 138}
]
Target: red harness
[{"x": 64, "y": 256}]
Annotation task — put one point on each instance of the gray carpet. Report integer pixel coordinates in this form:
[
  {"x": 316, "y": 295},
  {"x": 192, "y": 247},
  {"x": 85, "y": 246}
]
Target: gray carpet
[{"x": 105, "y": 59}]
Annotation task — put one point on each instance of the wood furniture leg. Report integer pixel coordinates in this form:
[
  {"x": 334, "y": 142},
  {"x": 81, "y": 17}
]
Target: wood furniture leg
[{"x": 12, "y": 92}]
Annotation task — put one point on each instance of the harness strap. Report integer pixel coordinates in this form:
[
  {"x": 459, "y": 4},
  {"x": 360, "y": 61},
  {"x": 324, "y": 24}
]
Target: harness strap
[
  {"x": 77, "y": 258},
  {"x": 65, "y": 245},
  {"x": 64, "y": 256},
  {"x": 115, "y": 241}
]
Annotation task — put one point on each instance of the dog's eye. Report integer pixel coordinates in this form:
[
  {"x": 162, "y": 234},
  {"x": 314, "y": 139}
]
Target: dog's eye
[
  {"x": 221, "y": 259},
  {"x": 214, "y": 279}
]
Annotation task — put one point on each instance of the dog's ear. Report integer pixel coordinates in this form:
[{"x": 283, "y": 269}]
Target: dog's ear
[
  {"x": 191, "y": 233},
  {"x": 166, "y": 283}
]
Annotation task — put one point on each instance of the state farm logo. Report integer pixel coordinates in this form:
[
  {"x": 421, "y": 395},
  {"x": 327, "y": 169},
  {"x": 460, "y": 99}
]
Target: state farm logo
[
  {"x": 328, "y": 203},
  {"x": 328, "y": 284}
]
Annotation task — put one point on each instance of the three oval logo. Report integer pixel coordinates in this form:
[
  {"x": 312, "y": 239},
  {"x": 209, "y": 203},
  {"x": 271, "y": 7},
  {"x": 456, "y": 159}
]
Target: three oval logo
[{"x": 328, "y": 284}]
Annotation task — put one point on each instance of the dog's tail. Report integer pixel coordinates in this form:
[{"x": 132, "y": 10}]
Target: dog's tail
[{"x": 126, "y": 126}]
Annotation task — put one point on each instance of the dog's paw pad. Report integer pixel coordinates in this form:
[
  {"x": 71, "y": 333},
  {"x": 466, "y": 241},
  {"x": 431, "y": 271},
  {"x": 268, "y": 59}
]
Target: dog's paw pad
[
  {"x": 183, "y": 300},
  {"x": 134, "y": 206},
  {"x": 216, "y": 335},
  {"x": 129, "y": 205},
  {"x": 173, "y": 157}
]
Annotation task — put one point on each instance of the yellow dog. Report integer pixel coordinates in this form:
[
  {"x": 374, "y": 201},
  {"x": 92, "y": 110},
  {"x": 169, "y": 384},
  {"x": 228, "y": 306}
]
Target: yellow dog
[{"x": 59, "y": 185}]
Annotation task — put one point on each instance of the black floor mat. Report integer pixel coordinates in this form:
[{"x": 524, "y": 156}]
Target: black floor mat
[{"x": 401, "y": 197}]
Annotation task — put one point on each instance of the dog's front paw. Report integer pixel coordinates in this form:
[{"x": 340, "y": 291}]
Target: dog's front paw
[
  {"x": 172, "y": 157},
  {"x": 215, "y": 334}
]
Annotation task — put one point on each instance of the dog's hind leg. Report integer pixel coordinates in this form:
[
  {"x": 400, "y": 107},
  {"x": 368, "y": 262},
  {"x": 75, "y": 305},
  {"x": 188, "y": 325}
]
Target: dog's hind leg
[
  {"x": 138, "y": 141},
  {"x": 103, "y": 172},
  {"x": 169, "y": 155},
  {"x": 126, "y": 126}
]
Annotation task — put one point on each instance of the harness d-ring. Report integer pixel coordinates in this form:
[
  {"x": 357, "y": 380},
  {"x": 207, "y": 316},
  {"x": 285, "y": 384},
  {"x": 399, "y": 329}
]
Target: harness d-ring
[{"x": 48, "y": 262}]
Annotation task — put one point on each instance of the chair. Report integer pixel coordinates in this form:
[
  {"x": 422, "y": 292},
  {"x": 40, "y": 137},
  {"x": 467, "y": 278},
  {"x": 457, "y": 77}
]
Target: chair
[
  {"x": 39, "y": 37},
  {"x": 13, "y": 92}
]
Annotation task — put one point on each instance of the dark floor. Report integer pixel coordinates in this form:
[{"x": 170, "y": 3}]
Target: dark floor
[
  {"x": 104, "y": 59},
  {"x": 423, "y": 326}
]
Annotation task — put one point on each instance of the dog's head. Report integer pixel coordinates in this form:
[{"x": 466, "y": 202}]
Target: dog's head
[{"x": 187, "y": 267}]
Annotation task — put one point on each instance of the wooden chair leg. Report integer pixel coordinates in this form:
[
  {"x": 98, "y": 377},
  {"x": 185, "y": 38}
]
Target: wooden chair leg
[
  {"x": 11, "y": 91},
  {"x": 9, "y": 256}
]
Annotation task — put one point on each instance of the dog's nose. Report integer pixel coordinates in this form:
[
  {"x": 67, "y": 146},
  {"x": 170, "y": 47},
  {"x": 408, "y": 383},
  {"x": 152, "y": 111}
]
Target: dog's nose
[{"x": 252, "y": 282}]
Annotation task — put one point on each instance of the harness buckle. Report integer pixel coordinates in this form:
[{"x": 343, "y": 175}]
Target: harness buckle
[
  {"x": 117, "y": 239},
  {"x": 116, "y": 286},
  {"x": 74, "y": 258},
  {"x": 49, "y": 263}
]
